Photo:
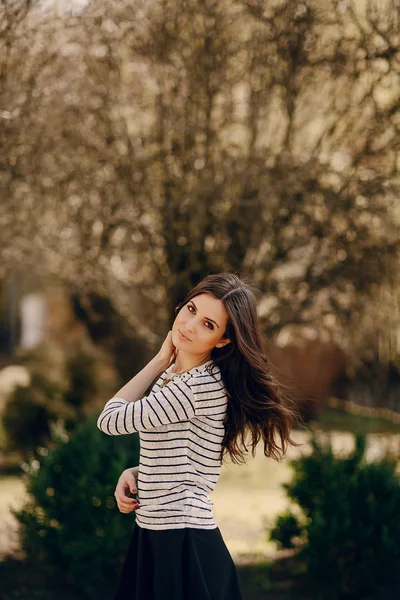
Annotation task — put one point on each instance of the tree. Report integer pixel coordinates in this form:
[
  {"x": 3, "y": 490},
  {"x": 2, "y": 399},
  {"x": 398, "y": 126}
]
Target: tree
[{"x": 172, "y": 139}]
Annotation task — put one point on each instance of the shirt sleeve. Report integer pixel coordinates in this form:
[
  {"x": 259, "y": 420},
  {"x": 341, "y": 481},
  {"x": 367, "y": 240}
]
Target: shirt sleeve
[{"x": 172, "y": 403}]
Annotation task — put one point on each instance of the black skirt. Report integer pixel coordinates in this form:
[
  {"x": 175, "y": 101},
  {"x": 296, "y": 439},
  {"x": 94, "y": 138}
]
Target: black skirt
[{"x": 178, "y": 564}]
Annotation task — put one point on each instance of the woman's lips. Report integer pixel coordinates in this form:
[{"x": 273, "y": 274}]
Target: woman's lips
[{"x": 183, "y": 337}]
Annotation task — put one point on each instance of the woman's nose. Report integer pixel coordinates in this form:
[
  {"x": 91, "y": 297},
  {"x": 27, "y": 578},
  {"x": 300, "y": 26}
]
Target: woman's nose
[{"x": 190, "y": 326}]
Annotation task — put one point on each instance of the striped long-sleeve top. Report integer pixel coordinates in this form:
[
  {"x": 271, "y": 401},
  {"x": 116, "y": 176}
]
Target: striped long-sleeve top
[{"x": 181, "y": 429}]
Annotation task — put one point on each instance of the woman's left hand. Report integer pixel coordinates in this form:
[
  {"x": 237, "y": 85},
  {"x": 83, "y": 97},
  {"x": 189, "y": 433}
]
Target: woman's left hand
[{"x": 126, "y": 484}]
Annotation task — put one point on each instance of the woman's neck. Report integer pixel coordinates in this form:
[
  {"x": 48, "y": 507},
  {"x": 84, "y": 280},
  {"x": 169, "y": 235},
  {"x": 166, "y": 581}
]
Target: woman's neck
[{"x": 186, "y": 362}]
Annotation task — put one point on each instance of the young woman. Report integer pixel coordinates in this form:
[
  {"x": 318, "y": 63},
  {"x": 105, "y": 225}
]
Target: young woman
[{"x": 218, "y": 390}]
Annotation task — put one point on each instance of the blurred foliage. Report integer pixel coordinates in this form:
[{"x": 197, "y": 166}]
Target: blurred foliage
[
  {"x": 147, "y": 143},
  {"x": 70, "y": 526},
  {"x": 375, "y": 383},
  {"x": 109, "y": 329},
  {"x": 286, "y": 528},
  {"x": 336, "y": 419},
  {"x": 29, "y": 412},
  {"x": 90, "y": 380},
  {"x": 349, "y": 532},
  {"x": 65, "y": 387}
]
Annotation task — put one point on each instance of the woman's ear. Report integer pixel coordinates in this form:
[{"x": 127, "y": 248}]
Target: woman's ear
[{"x": 222, "y": 343}]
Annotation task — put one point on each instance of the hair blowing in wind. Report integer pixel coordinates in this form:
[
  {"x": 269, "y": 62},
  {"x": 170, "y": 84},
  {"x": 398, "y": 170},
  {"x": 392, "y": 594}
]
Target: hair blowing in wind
[{"x": 257, "y": 405}]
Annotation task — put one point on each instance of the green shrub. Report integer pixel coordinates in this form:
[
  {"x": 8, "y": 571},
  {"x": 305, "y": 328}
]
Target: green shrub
[
  {"x": 71, "y": 526},
  {"x": 30, "y": 411},
  {"x": 287, "y": 529},
  {"x": 350, "y": 539},
  {"x": 65, "y": 386}
]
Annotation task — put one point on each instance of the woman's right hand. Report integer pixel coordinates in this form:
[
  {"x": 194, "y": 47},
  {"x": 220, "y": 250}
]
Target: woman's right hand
[
  {"x": 167, "y": 352},
  {"x": 126, "y": 484}
]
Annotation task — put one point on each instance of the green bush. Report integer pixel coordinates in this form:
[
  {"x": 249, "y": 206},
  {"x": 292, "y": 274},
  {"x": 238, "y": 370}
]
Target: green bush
[
  {"x": 71, "y": 526},
  {"x": 287, "y": 530},
  {"x": 29, "y": 413},
  {"x": 66, "y": 386},
  {"x": 350, "y": 539}
]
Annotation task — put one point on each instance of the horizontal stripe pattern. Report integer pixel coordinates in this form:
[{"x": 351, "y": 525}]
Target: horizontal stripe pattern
[{"x": 181, "y": 429}]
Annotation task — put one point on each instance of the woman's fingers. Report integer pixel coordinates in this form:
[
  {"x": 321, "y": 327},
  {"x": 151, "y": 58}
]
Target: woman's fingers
[
  {"x": 126, "y": 504},
  {"x": 167, "y": 351},
  {"x": 129, "y": 509},
  {"x": 122, "y": 495},
  {"x": 125, "y": 485},
  {"x": 127, "y": 481}
]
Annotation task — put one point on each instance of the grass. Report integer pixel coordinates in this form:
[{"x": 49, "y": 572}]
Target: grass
[
  {"x": 246, "y": 501},
  {"x": 335, "y": 419},
  {"x": 12, "y": 493}
]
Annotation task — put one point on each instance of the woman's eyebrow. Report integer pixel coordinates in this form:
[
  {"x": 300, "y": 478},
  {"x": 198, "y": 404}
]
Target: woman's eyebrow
[{"x": 205, "y": 317}]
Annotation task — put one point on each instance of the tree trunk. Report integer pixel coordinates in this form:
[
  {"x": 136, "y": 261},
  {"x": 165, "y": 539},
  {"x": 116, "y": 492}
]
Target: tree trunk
[{"x": 111, "y": 331}]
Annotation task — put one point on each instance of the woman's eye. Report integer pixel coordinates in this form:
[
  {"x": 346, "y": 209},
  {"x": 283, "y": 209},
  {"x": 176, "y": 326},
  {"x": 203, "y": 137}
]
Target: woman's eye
[{"x": 207, "y": 323}]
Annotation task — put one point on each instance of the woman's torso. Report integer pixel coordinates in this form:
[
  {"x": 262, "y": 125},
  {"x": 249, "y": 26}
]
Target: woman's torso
[{"x": 180, "y": 462}]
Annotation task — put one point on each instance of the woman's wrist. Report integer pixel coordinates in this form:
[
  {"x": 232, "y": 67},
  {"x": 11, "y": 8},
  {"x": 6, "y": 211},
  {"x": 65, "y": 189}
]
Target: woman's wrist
[
  {"x": 135, "y": 472},
  {"x": 160, "y": 363},
  {"x": 137, "y": 386}
]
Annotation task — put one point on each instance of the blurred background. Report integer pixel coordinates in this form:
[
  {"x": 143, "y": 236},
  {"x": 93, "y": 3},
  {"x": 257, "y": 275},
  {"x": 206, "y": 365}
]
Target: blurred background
[{"x": 143, "y": 145}]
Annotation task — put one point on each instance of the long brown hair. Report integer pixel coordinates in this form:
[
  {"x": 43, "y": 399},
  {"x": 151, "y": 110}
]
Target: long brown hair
[{"x": 257, "y": 403}]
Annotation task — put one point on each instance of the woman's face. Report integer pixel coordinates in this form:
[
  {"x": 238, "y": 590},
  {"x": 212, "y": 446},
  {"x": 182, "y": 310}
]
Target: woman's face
[{"x": 200, "y": 326}]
